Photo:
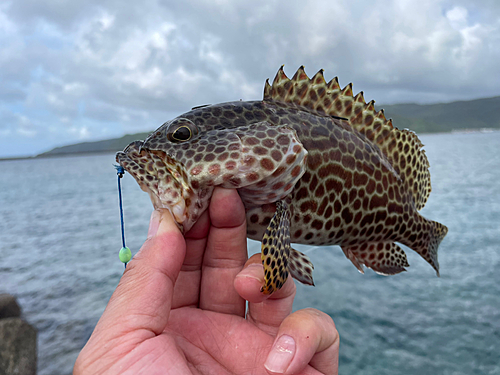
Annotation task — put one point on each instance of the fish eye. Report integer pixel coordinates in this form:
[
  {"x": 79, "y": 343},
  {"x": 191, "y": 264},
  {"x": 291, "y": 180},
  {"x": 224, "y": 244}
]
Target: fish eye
[
  {"x": 182, "y": 133},
  {"x": 181, "y": 130}
]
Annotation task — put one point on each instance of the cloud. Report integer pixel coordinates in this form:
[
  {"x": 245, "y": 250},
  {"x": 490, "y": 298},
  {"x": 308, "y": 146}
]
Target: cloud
[
  {"x": 99, "y": 69},
  {"x": 457, "y": 17}
]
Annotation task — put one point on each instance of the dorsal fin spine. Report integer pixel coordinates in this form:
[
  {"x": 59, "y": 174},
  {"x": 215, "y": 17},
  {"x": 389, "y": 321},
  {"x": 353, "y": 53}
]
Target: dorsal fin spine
[
  {"x": 359, "y": 98},
  {"x": 267, "y": 90},
  {"x": 280, "y": 76},
  {"x": 333, "y": 84},
  {"x": 318, "y": 78},
  {"x": 347, "y": 91},
  {"x": 381, "y": 115}
]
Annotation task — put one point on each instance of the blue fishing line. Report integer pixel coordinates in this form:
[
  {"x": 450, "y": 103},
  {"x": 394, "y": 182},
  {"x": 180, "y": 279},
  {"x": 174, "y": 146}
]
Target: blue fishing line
[
  {"x": 120, "y": 171},
  {"x": 125, "y": 254}
]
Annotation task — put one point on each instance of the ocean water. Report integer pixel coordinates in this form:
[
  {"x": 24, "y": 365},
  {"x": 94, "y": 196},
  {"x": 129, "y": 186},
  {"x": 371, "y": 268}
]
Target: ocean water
[{"x": 60, "y": 235}]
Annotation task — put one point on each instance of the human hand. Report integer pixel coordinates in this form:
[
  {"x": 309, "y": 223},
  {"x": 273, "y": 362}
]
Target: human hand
[{"x": 180, "y": 308}]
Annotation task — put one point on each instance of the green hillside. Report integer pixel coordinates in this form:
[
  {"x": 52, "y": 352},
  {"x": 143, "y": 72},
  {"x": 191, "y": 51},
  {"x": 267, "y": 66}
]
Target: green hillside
[
  {"x": 430, "y": 118},
  {"x": 108, "y": 145},
  {"x": 445, "y": 117}
]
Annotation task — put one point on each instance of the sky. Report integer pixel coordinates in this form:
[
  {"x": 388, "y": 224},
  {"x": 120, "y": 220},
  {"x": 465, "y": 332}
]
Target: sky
[{"x": 76, "y": 71}]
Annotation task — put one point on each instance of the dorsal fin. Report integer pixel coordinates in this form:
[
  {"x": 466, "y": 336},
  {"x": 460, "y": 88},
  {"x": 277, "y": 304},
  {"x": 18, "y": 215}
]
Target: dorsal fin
[{"x": 402, "y": 147}]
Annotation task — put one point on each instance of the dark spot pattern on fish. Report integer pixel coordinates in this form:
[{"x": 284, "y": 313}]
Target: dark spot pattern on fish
[{"x": 350, "y": 178}]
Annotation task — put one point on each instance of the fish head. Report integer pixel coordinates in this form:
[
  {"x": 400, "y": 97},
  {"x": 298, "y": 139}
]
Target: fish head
[
  {"x": 160, "y": 166},
  {"x": 181, "y": 163}
]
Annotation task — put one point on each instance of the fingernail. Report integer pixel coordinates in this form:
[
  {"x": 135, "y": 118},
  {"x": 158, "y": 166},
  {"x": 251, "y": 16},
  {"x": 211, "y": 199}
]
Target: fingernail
[
  {"x": 254, "y": 271},
  {"x": 154, "y": 223},
  {"x": 281, "y": 355}
]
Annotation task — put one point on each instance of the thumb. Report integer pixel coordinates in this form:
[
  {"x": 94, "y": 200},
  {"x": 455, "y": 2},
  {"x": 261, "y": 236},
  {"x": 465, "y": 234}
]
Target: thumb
[
  {"x": 143, "y": 297},
  {"x": 140, "y": 306}
]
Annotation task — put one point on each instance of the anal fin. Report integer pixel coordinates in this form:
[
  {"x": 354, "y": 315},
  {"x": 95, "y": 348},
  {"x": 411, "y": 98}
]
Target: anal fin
[
  {"x": 385, "y": 258},
  {"x": 275, "y": 249}
]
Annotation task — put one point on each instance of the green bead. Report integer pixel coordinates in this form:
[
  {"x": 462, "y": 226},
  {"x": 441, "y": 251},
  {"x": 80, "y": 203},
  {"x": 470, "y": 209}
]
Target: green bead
[{"x": 125, "y": 255}]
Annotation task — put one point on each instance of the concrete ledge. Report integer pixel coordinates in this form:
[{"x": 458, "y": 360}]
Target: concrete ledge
[
  {"x": 9, "y": 307},
  {"x": 18, "y": 346}
]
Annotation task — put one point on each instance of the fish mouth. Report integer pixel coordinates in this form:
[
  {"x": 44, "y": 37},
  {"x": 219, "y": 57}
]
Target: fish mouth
[{"x": 161, "y": 176}]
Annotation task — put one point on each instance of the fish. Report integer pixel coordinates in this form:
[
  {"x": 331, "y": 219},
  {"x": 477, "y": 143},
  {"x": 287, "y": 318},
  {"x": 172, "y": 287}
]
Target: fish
[{"x": 313, "y": 164}]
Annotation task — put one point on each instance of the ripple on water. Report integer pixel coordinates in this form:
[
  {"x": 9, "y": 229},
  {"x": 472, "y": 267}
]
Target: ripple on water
[{"x": 60, "y": 235}]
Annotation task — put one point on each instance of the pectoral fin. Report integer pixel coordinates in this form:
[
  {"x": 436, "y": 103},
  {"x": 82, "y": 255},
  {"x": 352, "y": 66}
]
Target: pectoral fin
[
  {"x": 276, "y": 249},
  {"x": 300, "y": 267}
]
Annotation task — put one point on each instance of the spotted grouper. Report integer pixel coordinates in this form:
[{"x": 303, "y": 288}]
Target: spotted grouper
[{"x": 313, "y": 164}]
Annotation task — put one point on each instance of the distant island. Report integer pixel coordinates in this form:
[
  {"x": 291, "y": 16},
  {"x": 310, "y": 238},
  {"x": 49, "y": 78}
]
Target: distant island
[{"x": 471, "y": 115}]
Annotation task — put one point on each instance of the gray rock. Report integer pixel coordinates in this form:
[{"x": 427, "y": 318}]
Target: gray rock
[
  {"x": 9, "y": 307},
  {"x": 17, "y": 347}
]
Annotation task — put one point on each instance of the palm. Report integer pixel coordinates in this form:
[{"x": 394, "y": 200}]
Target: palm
[
  {"x": 207, "y": 330},
  {"x": 180, "y": 307},
  {"x": 207, "y": 342}
]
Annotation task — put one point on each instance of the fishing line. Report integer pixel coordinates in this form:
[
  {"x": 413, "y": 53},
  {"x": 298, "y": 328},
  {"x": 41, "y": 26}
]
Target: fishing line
[
  {"x": 125, "y": 254},
  {"x": 312, "y": 248}
]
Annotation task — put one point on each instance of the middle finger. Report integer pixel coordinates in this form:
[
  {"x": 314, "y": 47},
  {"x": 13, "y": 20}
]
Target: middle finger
[{"x": 225, "y": 255}]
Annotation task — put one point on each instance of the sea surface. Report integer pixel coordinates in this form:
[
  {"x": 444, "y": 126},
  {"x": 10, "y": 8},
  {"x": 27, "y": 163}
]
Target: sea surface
[{"x": 60, "y": 237}]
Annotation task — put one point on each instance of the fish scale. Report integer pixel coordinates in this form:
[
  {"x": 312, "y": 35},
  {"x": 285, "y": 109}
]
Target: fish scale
[{"x": 313, "y": 164}]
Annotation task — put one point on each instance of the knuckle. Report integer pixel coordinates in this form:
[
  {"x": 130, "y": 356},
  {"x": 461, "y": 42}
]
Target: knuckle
[{"x": 317, "y": 320}]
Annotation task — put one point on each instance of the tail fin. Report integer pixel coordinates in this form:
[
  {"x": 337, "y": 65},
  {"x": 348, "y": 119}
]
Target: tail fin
[
  {"x": 439, "y": 231},
  {"x": 427, "y": 241}
]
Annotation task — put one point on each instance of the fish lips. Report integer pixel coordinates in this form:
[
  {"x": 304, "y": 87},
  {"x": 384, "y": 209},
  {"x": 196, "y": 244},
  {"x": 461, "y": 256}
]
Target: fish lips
[{"x": 161, "y": 176}]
